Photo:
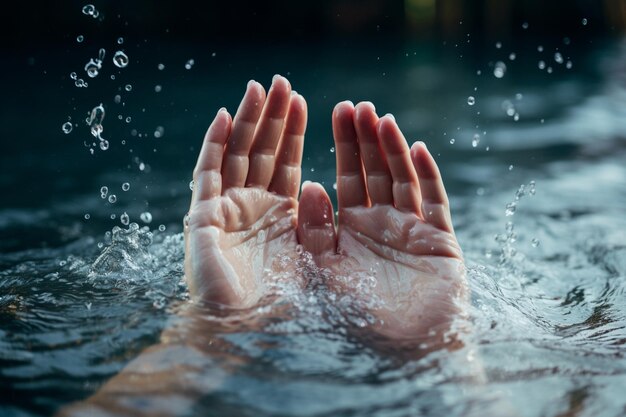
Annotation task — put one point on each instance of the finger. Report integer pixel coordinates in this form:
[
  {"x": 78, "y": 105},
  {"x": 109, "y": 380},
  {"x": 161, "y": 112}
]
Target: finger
[
  {"x": 267, "y": 135},
  {"x": 350, "y": 182},
  {"x": 207, "y": 175},
  {"x": 316, "y": 224},
  {"x": 406, "y": 192},
  {"x": 286, "y": 178},
  {"x": 435, "y": 205},
  {"x": 235, "y": 167},
  {"x": 377, "y": 172}
]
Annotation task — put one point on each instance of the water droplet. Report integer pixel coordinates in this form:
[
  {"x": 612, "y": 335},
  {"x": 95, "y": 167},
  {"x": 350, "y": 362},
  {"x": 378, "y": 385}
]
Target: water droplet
[
  {"x": 162, "y": 228},
  {"x": 112, "y": 198},
  {"x": 89, "y": 9},
  {"x": 93, "y": 67},
  {"x": 161, "y": 67},
  {"x": 558, "y": 58},
  {"x": 87, "y": 216},
  {"x": 146, "y": 217},
  {"x": 124, "y": 219},
  {"x": 120, "y": 40},
  {"x": 80, "y": 38},
  {"x": 471, "y": 100},
  {"x": 67, "y": 127},
  {"x": 512, "y": 56},
  {"x": 128, "y": 87},
  {"x": 475, "y": 140},
  {"x": 120, "y": 59},
  {"x": 584, "y": 21},
  {"x": 499, "y": 69},
  {"x": 452, "y": 141},
  {"x": 125, "y": 186},
  {"x": 510, "y": 209},
  {"x": 104, "y": 190},
  {"x": 157, "y": 88},
  {"x": 191, "y": 185},
  {"x": 189, "y": 64},
  {"x": 534, "y": 242}
]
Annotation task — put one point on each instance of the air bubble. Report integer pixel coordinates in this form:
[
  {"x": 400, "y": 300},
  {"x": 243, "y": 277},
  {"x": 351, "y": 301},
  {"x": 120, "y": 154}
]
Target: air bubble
[
  {"x": 104, "y": 144},
  {"x": 584, "y": 21},
  {"x": 160, "y": 130},
  {"x": 512, "y": 56},
  {"x": 534, "y": 242},
  {"x": 146, "y": 217},
  {"x": 157, "y": 88},
  {"x": 120, "y": 40},
  {"x": 471, "y": 100},
  {"x": 452, "y": 141},
  {"x": 128, "y": 119},
  {"x": 332, "y": 150},
  {"x": 191, "y": 185},
  {"x": 161, "y": 67},
  {"x": 80, "y": 38},
  {"x": 125, "y": 219},
  {"x": 120, "y": 59},
  {"x": 498, "y": 45},
  {"x": 162, "y": 228},
  {"x": 95, "y": 120},
  {"x": 128, "y": 87},
  {"x": 541, "y": 65},
  {"x": 525, "y": 25},
  {"x": 112, "y": 198},
  {"x": 87, "y": 216},
  {"x": 67, "y": 127},
  {"x": 189, "y": 64},
  {"x": 104, "y": 190},
  {"x": 125, "y": 186}
]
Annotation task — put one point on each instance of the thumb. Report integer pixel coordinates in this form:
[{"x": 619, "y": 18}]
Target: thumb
[{"x": 316, "y": 222}]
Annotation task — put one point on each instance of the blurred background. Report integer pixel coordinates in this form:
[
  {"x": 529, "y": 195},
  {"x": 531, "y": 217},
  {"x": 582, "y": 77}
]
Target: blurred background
[{"x": 494, "y": 82}]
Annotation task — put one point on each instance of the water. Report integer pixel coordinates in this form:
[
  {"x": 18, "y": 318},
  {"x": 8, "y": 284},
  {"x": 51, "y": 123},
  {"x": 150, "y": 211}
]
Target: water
[{"x": 90, "y": 276}]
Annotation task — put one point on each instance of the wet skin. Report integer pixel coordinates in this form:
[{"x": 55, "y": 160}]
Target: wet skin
[{"x": 393, "y": 214}]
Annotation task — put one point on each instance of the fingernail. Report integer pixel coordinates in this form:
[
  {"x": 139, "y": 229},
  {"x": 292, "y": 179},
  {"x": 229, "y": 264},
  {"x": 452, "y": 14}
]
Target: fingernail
[
  {"x": 222, "y": 109},
  {"x": 294, "y": 93},
  {"x": 275, "y": 77},
  {"x": 305, "y": 183},
  {"x": 251, "y": 83},
  {"x": 391, "y": 116}
]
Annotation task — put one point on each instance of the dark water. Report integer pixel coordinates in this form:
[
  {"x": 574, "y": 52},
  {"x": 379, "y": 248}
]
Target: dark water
[{"x": 548, "y": 280}]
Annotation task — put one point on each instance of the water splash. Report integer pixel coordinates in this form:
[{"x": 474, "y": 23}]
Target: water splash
[{"x": 126, "y": 250}]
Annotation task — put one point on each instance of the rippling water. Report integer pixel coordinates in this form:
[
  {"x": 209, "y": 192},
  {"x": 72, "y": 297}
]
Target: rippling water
[{"x": 548, "y": 280}]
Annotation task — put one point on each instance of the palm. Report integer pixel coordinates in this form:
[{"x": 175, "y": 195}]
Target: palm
[
  {"x": 242, "y": 219},
  {"x": 416, "y": 267},
  {"x": 394, "y": 229},
  {"x": 253, "y": 230}
]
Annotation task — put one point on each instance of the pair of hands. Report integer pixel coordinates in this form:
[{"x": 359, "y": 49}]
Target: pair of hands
[{"x": 394, "y": 223}]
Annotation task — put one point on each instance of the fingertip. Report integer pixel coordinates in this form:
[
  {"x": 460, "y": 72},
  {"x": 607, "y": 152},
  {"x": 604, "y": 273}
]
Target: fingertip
[{"x": 280, "y": 83}]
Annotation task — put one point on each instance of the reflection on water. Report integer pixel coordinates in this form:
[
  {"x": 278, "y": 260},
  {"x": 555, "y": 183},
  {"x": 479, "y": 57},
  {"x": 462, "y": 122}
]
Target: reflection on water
[{"x": 547, "y": 268}]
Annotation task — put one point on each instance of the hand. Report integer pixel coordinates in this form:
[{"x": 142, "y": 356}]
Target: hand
[
  {"x": 394, "y": 228},
  {"x": 242, "y": 219}
]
